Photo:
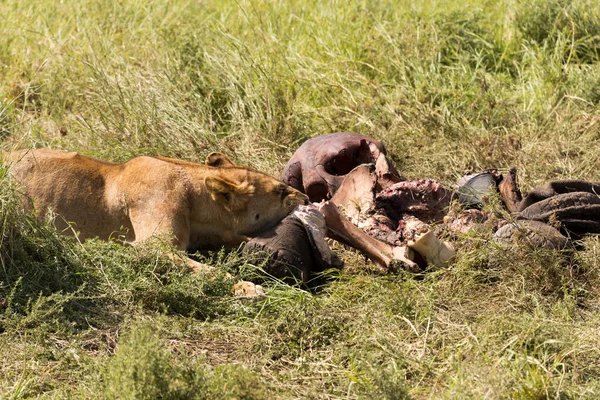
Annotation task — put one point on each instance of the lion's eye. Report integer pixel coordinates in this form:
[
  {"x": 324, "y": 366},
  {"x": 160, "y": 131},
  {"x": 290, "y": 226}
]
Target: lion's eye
[
  {"x": 256, "y": 217},
  {"x": 283, "y": 192}
]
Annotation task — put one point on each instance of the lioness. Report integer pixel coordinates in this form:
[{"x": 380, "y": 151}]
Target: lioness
[{"x": 195, "y": 204}]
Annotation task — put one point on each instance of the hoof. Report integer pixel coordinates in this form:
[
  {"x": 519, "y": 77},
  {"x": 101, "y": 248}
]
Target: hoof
[
  {"x": 248, "y": 290},
  {"x": 473, "y": 189}
]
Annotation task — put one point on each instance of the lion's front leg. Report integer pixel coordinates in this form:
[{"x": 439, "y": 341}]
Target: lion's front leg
[
  {"x": 240, "y": 289},
  {"x": 176, "y": 229}
]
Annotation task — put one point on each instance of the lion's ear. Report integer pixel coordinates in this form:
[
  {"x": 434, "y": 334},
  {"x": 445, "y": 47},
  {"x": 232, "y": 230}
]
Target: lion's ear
[
  {"x": 218, "y": 160},
  {"x": 234, "y": 196}
]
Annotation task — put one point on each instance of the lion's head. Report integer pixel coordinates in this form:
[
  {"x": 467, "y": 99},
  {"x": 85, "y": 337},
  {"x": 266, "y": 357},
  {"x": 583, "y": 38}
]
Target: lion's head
[{"x": 256, "y": 200}]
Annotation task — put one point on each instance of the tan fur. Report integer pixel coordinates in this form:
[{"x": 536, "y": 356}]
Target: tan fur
[{"x": 195, "y": 204}]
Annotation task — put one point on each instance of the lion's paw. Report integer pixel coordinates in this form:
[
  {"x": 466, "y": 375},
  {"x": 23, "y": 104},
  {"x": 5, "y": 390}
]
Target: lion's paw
[{"x": 248, "y": 290}]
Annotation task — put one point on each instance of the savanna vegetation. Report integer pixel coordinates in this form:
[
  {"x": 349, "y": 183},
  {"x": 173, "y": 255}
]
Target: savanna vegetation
[{"x": 450, "y": 87}]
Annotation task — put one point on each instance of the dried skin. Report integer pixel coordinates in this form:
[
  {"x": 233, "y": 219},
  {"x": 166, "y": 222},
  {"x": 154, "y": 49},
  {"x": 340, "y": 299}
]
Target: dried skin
[
  {"x": 319, "y": 166},
  {"x": 509, "y": 191}
]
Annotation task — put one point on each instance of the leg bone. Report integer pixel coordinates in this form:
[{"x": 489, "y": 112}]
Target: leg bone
[{"x": 382, "y": 254}]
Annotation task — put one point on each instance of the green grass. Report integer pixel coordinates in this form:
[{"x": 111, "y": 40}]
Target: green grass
[{"x": 450, "y": 87}]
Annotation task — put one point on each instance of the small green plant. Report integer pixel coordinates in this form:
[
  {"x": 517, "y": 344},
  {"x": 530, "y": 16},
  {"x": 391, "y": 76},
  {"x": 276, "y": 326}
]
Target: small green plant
[{"x": 143, "y": 368}]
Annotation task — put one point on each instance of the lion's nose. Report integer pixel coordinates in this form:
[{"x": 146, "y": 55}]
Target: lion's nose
[{"x": 301, "y": 198}]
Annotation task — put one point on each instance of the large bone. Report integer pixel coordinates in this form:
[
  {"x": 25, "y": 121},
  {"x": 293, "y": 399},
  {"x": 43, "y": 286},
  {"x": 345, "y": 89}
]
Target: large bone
[
  {"x": 435, "y": 251},
  {"x": 356, "y": 196},
  {"x": 385, "y": 256},
  {"x": 423, "y": 240}
]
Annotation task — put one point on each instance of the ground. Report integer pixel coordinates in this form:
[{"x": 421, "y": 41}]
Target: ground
[{"x": 450, "y": 87}]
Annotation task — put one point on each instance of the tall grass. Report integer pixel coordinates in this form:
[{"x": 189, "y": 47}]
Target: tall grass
[{"x": 450, "y": 87}]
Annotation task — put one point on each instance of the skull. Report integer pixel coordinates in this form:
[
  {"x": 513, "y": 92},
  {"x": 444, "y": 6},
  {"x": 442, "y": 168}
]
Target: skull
[{"x": 321, "y": 164}]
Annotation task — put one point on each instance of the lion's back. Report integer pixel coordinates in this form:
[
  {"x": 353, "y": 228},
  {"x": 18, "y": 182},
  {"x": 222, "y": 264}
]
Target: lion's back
[{"x": 72, "y": 185}]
